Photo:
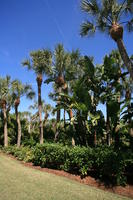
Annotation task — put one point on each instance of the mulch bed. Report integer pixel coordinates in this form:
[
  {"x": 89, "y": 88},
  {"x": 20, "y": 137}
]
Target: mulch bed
[{"x": 125, "y": 191}]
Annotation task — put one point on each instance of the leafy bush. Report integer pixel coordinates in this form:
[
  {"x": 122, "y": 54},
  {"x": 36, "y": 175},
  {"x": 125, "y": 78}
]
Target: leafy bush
[
  {"x": 22, "y": 153},
  {"x": 72, "y": 159},
  {"x": 107, "y": 163},
  {"x": 50, "y": 155},
  {"x": 79, "y": 159}
]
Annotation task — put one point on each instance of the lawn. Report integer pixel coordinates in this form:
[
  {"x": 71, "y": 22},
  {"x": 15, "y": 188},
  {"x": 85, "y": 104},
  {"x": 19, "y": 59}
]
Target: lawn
[{"x": 18, "y": 182}]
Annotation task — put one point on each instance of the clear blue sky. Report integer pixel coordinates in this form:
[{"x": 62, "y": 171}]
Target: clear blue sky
[{"x": 27, "y": 25}]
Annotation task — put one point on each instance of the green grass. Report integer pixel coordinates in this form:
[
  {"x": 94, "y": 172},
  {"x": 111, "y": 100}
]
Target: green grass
[{"x": 18, "y": 182}]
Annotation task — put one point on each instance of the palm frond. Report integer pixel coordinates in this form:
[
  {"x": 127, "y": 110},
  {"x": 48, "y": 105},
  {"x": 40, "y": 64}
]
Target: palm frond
[
  {"x": 90, "y": 6},
  {"x": 27, "y": 63},
  {"x": 87, "y": 28},
  {"x": 129, "y": 25}
]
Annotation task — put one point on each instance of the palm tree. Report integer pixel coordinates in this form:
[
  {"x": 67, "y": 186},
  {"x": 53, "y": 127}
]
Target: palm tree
[
  {"x": 109, "y": 16},
  {"x": 27, "y": 116},
  {"x": 5, "y": 103},
  {"x": 46, "y": 109},
  {"x": 40, "y": 63},
  {"x": 60, "y": 62},
  {"x": 19, "y": 90},
  {"x": 65, "y": 69}
]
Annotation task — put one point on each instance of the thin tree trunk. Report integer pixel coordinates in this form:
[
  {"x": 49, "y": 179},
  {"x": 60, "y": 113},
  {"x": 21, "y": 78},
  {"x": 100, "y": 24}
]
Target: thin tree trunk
[
  {"x": 108, "y": 126},
  {"x": 71, "y": 116},
  {"x": 95, "y": 137},
  {"x": 57, "y": 116},
  {"x": 45, "y": 118},
  {"x": 19, "y": 127},
  {"x": 125, "y": 57},
  {"x": 29, "y": 128},
  {"x": 94, "y": 110},
  {"x": 117, "y": 128},
  {"x": 5, "y": 126},
  {"x": 64, "y": 116},
  {"x": 39, "y": 83},
  {"x": 58, "y": 103}
]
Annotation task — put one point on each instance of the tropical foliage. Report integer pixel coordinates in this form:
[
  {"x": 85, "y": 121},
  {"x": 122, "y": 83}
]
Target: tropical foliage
[{"x": 93, "y": 126}]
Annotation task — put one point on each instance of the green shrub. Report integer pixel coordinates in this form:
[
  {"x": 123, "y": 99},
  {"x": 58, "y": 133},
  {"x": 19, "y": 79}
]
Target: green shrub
[
  {"x": 50, "y": 155},
  {"x": 57, "y": 156},
  {"x": 110, "y": 164},
  {"x": 107, "y": 163},
  {"x": 79, "y": 160},
  {"x": 22, "y": 153}
]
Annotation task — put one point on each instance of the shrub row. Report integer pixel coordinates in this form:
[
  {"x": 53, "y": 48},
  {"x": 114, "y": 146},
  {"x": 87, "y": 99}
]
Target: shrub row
[
  {"x": 105, "y": 162},
  {"x": 23, "y": 153}
]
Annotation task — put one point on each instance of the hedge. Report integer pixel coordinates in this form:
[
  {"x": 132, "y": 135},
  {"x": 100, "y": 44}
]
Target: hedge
[{"x": 105, "y": 162}]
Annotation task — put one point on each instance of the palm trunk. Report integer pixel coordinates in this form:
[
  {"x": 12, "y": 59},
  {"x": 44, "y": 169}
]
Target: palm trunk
[
  {"x": 57, "y": 116},
  {"x": 58, "y": 103},
  {"x": 125, "y": 57},
  {"x": 39, "y": 83},
  {"x": 57, "y": 121},
  {"x": 5, "y": 126},
  {"x": 19, "y": 126}
]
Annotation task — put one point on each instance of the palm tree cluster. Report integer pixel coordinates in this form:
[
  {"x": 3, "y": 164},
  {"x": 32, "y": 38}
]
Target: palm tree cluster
[
  {"x": 11, "y": 92},
  {"x": 79, "y": 86}
]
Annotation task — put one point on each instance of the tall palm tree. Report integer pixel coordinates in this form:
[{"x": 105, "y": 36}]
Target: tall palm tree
[
  {"x": 40, "y": 63},
  {"x": 5, "y": 103},
  {"x": 65, "y": 69},
  {"x": 60, "y": 62},
  {"x": 110, "y": 16},
  {"x": 19, "y": 90}
]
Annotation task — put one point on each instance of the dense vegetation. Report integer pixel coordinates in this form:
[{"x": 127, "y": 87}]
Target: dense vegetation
[{"x": 89, "y": 140}]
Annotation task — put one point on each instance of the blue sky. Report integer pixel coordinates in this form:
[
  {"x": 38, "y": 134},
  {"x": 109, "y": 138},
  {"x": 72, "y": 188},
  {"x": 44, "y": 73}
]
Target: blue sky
[{"x": 27, "y": 25}]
